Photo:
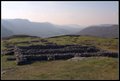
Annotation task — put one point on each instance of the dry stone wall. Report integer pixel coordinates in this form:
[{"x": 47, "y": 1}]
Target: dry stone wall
[{"x": 55, "y": 52}]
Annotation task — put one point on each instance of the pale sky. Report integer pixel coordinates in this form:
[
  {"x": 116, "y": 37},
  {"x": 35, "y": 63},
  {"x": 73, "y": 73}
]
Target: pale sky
[{"x": 63, "y": 12}]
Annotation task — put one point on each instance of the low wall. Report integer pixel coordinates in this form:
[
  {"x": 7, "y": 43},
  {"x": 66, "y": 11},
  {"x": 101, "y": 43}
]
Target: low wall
[{"x": 55, "y": 52}]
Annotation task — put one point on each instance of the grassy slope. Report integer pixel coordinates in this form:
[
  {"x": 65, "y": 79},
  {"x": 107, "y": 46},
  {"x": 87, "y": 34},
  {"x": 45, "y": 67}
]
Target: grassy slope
[
  {"x": 14, "y": 40},
  {"x": 103, "y": 43},
  {"x": 91, "y": 68}
]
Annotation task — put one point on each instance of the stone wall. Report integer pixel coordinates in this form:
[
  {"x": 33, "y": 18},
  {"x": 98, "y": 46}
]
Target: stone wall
[{"x": 56, "y": 52}]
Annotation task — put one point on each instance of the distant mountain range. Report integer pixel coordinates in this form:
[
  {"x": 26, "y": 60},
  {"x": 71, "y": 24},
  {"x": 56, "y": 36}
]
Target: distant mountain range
[
  {"x": 26, "y": 27},
  {"x": 11, "y": 27},
  {"x": 107, "y": 31},
  {"x": 6, "y": 32}
]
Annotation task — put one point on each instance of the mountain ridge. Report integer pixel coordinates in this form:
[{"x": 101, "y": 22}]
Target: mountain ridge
[
  {"x": 109, "y": 31},
  {"x": 47, "y": 29},
  {"x": 41, "y": 29}
]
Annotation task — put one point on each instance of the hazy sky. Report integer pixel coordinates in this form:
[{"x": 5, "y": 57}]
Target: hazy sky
[{"x": 63, "y": 12}]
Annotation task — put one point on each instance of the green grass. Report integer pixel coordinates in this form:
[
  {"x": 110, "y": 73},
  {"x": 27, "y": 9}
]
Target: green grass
[
  {"x": 7, "y": 64},
  {"x": 103, "y": 43},
  {"x": 100, "y": 68},
  {"x": 17, "y": 41}
]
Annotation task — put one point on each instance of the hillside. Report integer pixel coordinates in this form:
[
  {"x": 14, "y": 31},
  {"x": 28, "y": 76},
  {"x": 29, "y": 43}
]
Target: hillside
[
  {"x": 86, "y": 69},
  {"x": 109, "y": 31},
  {"x": 6, "y": 32},
  {"x": 103, "y": 43},
  {"x": 91, "y": 68},
  {"x": 46, "y": 29},
  {"x": 40, "y": 29}
]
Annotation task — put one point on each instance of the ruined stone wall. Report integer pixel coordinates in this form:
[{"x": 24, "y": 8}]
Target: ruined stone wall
[{"x": 56, "y": 52}]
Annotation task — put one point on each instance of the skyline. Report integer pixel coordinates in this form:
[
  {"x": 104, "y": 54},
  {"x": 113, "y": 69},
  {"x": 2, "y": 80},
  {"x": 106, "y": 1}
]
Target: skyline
[{"x": 62, "y": 13}]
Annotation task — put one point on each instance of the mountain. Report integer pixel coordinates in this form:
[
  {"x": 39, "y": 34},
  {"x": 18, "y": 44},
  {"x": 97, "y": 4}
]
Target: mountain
[
  {"x": 6, "y": 32},
  {"x": 109, "y": 31},
  {"x": 45, "y": 29},
  {"x": 71, "y": 28}
]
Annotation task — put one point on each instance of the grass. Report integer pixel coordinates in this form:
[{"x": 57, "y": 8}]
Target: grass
[
  {"x": 7, "y": 64},
  {"x": 95, "y": 68},
  {"x": 103, "y": 43},
  {"x": 18, "y": 41},
  {"x": 100, "y": 68}
]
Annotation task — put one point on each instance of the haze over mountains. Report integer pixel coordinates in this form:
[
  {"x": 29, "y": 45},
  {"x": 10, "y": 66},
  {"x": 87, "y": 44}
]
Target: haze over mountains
[
  {"x": 45, "y": 29},
  {"x": 6, "y": 32},
  {"x": 108, "y": 31},
  {"x": 26, "y": 27}
]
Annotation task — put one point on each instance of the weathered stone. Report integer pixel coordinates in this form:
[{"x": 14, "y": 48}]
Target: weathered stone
[{"x": 55, "y": 52}]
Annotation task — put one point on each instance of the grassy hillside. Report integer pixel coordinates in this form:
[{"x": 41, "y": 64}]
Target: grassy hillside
[
  {"x": 99, "y": 68},
  {"x": 108, "y": 31},
  {"x": 19, "y": 41},
  {"x": 103, "y": 43}
]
